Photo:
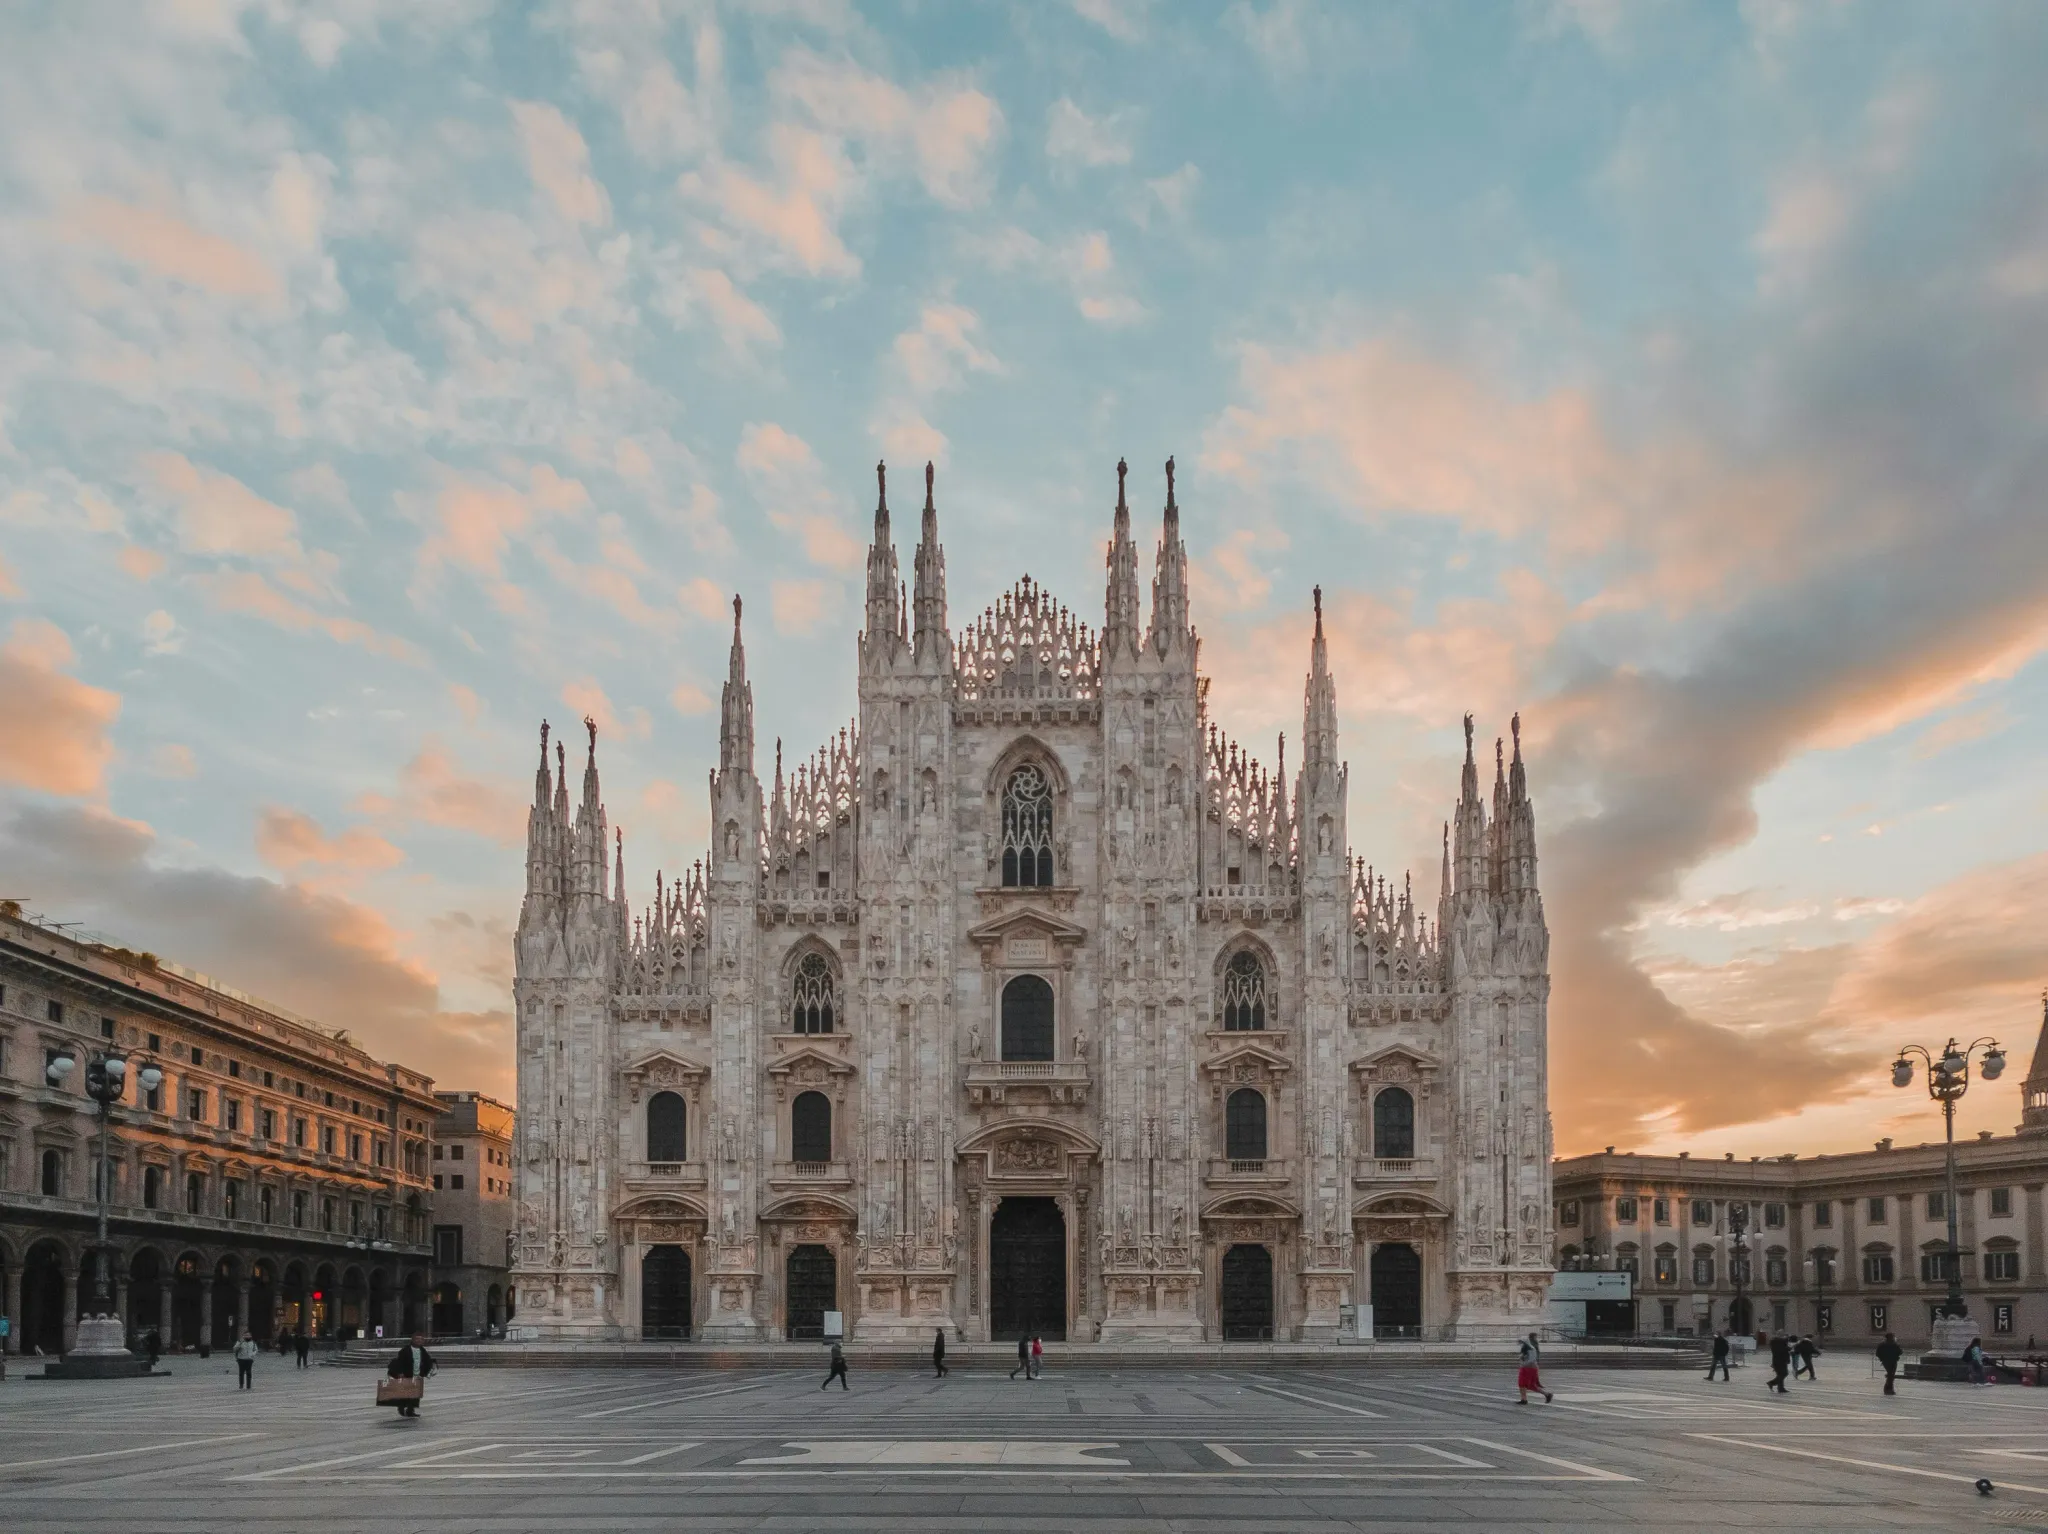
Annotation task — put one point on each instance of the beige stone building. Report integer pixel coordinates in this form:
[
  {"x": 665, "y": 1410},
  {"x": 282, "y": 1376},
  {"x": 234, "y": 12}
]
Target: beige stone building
[
  {"x": 1848, "y": 1246},
  {"x": 473, "y": 1206},
  {"x": 276, "y": 1176},
  {"x": 1032, "y": 1002}
]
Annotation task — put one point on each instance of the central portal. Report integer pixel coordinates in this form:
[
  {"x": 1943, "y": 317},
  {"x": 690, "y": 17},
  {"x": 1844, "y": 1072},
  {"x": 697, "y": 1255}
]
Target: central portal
[{"x": 1027, "y": 1270}]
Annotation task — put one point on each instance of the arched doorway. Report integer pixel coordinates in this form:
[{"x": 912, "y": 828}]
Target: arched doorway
[
  {"x": 412, "y": 1311},
  {"x": 325, "y": 1301},
  {"x": 810, "y": 1288},
  {"x": 379, "y": 1321},
  {"x": 1247, "y": 1294},
  {"x": 226, "y": 1291},
  {"x": 294, "y": 1317},
  {"x": 448, "y": 1310},
  {"x": 42, "y": 1300},
  {"x": 1396, "y": 1290},
  {"x": 185, "y": 1302},
  {"x": 1027, "y": 1270},
  {"x": 145, "y": 1292},
  {"x": 354, "y": 1290},
  {"x": 262, "y": 1301},
  {"x": 664, "y": 1293},
  {"x": 1741, "y": 1314}
]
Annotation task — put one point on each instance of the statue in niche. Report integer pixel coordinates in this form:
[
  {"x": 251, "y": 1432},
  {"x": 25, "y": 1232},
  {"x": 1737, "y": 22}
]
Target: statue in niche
[
  {"x": 1080, "y": 1045},
  {"x": 1180, "y": 1215},
  {"x": 974, "y": 1043},
  {"x": 1172, "y": 952}
]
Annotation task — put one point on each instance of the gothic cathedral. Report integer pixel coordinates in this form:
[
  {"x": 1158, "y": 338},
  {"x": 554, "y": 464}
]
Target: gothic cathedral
[{"x": 1032, "y": 1004}]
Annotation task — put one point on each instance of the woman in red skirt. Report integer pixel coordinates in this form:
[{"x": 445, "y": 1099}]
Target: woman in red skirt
[{"x": 1529, "y": 1376}]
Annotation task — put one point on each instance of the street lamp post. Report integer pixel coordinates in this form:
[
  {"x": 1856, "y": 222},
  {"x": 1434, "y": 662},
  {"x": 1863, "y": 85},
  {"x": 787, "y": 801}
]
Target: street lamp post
[
  {"x": 1817, "y": 1262},
  {"x": 1738, "y": 1264},
  {"x": 102, "y": 1335},
  {"x": 1948, "y": 1078}
]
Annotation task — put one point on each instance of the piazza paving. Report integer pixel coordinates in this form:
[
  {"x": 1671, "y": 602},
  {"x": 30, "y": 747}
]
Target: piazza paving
[{"x": 1254, "y": 1448}]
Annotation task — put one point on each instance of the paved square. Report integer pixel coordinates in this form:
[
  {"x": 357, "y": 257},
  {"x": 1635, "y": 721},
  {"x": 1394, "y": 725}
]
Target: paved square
[{"x": 513, "y": 1450}]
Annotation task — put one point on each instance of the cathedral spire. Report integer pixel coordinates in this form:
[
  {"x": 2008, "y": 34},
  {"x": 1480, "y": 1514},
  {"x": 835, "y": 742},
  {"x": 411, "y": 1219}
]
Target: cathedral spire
[
  {"x": 1170, "y": 582},
  {"x": 884, "y": 609},
  {"x": 929, "y": 601},
  {"x": 1319, "y": 709},
  {"x": 2034, "y": 1094},
  {"x": 1120, "y": 624},
  {"x": 540, "y": 840},
  {"x": 1469, "y": 851},
  {"x": 736, "y": 708}
]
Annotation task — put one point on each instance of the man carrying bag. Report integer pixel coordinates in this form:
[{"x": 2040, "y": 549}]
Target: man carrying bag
[{"x": 406, "y": 1377}]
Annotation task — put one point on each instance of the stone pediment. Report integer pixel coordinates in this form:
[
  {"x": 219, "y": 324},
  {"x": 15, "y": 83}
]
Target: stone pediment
[
  {"x": 659, "y": 1207},
  {"x": 1252, "y": 1056},
  {"x": 1075, "y": 1140},
  {"x": 1395, "y": 1065},
  {"x": 810, "y": 1207},
  {"x": 1405, "y": 1205},
  {"x": 1250, "y": 1206},
  {"x": 808, "y": 1066},
  {"x": 661, "y": 1069},
  {"x": 1025, "y": 925}
]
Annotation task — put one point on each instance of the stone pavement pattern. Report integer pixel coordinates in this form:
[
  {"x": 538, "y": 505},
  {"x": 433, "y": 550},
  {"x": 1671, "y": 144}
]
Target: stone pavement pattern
[{"x": 1312, "y": 1449}]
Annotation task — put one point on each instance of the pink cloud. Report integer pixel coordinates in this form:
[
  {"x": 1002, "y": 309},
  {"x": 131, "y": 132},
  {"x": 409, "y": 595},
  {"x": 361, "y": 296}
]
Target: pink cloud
[
  {"x": 218, "y": 514},
  {"x": 289, "y": 840},
  {"x": 248, "y": 593},
  {"x": 559, "y": 162},
  {"x": 434, "y": 790},
  {"x": 172, "y": 247},
  {"x": 56, "y": 738}
]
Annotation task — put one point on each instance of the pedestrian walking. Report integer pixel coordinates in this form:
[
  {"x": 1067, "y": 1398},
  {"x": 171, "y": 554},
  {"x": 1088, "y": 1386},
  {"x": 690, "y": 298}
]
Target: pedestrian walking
[
  {"x": 1037, "y": 1358},
  {"x": 1973, "y": 1360},
  {"x": 284, "y": 1343},
  {"x": 939, "y": 1354},
  {"x": 1888, "y": 1354},
  {"x": 153, "y": 1347},
  {"x": 6, "y": 1331},
  {"x": 303, "y": 1345},
  {"x": 413, "y": 1362},
  {"x": 245, "y": 1361},
  {"x": 838, "y": 1369},
  {"x": 1023, "y": 1358},
  {"x": 1720, "y": 1358},
  {"x": 1529, "y": 1376},
  {"x": 1805, "y": 1351},
  {"x": 1781, "y": 1362}
]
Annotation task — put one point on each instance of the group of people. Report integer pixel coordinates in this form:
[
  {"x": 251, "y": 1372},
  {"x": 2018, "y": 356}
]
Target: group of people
[
  {"x": 1030, "y": 1360},
  {"x": 1791, "y": 1357}
]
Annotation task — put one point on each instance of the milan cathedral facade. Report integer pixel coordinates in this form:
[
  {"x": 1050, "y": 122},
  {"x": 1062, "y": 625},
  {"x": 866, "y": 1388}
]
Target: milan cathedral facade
[{"x": 1031, "y": 1004}]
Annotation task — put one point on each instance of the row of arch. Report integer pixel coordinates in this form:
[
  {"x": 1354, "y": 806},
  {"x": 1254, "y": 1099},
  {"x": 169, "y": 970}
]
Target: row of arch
[{"x": 192, "y": 1298}]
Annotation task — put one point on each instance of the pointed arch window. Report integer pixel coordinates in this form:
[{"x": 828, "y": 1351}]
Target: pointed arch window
[
  {"x": 1244, "y": 994},
  {"x": 811, "y": 995},
  {"x": 1027, "y": 829}
]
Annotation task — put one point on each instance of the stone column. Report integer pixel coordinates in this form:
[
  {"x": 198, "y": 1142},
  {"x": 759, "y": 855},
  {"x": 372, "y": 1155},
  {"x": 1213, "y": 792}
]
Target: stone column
[
  {"x": 70, "y": 1308},
  {"x": 121, "y": 1304},
  {"x": 241, "y": 1307},
  {"x": 163, "y": 1311},
  {"x": 206, "y": 1311}
]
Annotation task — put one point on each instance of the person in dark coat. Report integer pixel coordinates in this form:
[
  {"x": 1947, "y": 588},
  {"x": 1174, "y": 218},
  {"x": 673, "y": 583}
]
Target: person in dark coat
[
  {"x": 153, "y": 1346},
  {"x": 303, "y": 1345},
  {"x": 939, "y": 1354},
  {"x": 1888, "y": 1354},
  {"x": 838, "y": 1371},
  {"x": 1781, "y": 1362},
  {"x": 1973, "y": 1360},
  {"x": 1720, "y": 1358},
  {"x": 1023, "y": 1358},
  {"x": 1806, "y": 1352},
  {"x": 413, "y": 1362}
]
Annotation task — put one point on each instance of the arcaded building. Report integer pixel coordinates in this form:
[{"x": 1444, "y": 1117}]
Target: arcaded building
[{"x": 1032, "y": 1003}]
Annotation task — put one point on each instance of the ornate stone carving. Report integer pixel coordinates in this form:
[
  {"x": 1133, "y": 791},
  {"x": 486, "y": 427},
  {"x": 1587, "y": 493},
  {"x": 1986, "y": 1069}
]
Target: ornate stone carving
[{"x": 1027, "y": 1155}]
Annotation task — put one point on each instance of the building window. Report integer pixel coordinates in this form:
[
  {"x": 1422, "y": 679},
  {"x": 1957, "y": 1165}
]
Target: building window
[
  {"x": 198, "y": 1055},
  {"x": 1703, "y": 1272},
  {"x": 437, "y": 1182},
  {"x": 298, "y": 1211},
  {"x": 2002, "y": 1267},
  {"x": 1660, "y": 1210},
  {"x": 1877, "y": 1268},
  {"x": 54, "y": 1011},
  {"x": 1937, "y": 1206},
  {"x": 153, "y": 1099},
  {"x": 1702, "y": 1211},
  {"x": 327, "y": 1139},
  {"x": 810, "y": 995},
  {"x": 299, "y": 1133},
  {"x": 327, "y": 1214},
  {"x": 810, "y": 1128},
  {"x": 1934, "y": 1267},
  {"x": 1027, "y": 1019},
  {"x": 195, "y": 1107},
  {"x": 231, "y": 1199},
  {"x": 234, "y": 1116},
  {"x": 448, "y": 1246},
  {"x": 106, "y": 1027},
  {"x": 455, "y": 1182},
  {"x": 1774, "y": 1217},
  {"x": 667, "y": 1128},
  {"x": 1666, "y": 1268},
  {"x": 1568, "y": 1212},
  {"x": 1624, "y": 1211},
  {"x": 440, "y": 1152},
  {"x": 1393, "y": 1125},
  {"x": 1244, "y": 1126},
  {"x": 355, "y": 1217},
  {"x": 195, "y": 1193},
  {"x": 269, "y": 1122},
  {"x": 263, "y": 1205},
  {"x": 355, "y": 1147},
  {"x": 1027, "y": 829},
  {"x": 454, "y": 1153},
  {"x": 1775, "y": 1272},
  {"x": 1875, "y": 1211},
  {"x": 1244, "y": 994},
  {"x": 2001, "y": 1203},
  {"x": 53, "y": 1174},
  {"x": 1823, "y": 1215},
  {"x": 152, "y": 1187},
  {"x": 1626, "y": 1261},
  {"x": 383, "y": 1221},
  {"x": 1879, "y": 1317},
  {"x": 1669, "y": 1316}
]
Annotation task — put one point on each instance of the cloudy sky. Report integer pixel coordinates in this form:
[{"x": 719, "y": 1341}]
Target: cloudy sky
[{"x": 376, "y": 379}]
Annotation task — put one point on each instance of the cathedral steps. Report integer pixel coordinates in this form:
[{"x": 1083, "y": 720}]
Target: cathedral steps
[{"x": 982, "y": 1357}]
